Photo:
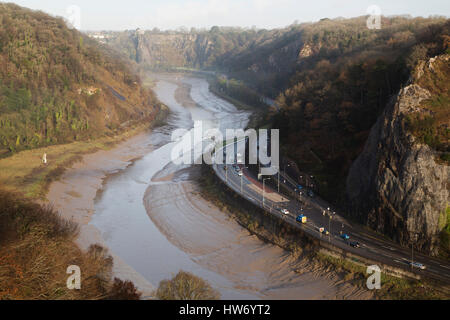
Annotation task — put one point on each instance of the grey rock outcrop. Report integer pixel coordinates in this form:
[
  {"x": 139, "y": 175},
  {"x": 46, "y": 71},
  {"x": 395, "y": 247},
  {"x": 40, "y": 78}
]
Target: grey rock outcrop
[{"x": 396, "y": 186}]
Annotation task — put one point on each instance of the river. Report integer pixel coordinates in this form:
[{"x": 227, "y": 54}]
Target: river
[{"x": 152, "y": 216}]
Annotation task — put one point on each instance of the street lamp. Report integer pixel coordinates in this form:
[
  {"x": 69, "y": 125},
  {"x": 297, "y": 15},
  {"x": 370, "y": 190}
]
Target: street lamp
[
  {"x": 324, "y": 214},
  {"x": 278, "y": 169},
  {"x": 329, "y": 224},
  {"x": 242, "y": 178},
  {"x": 300, "y": 194},
  {"x": 264, "y": 190},
  {"x": 413, "y": 239},
  {"x": 288, "y": 165},
  {"x": 329, "y": 230}
]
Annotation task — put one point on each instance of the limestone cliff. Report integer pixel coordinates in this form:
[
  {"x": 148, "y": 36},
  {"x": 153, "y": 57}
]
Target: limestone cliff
[{"x": 398, "y": 185}]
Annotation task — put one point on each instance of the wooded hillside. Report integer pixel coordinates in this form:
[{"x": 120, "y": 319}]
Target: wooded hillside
[{"x": 58, "y": 86}]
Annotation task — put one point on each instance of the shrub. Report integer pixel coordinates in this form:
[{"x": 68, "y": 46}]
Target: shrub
[{"x": 123, "y": 290}]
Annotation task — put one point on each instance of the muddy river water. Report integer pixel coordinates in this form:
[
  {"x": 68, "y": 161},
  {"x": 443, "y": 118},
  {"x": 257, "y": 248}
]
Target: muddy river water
[{"x": 151, "y": 215}]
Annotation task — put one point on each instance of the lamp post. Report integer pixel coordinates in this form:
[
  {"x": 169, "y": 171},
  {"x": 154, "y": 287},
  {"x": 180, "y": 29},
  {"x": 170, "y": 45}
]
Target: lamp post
[
  {"x": 413, "y": 239},
  {"x": 329, "y": 224},
  {"x": 278, "y": 169},
  {"x": 300, "y": 195},
  {"x": 278, "y": 180},
  {"x": 264, "y": 189},
  {"x": 286, "y": 165},
  {"x": 329, "y": 228},
  {"x": 323, "y": 214},
  {"x": 242, "y": 179}
]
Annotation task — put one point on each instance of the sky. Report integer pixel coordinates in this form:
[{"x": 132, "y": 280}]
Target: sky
[{"x": 96, "y": 15}]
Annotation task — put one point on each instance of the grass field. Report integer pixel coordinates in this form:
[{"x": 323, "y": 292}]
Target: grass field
[{"x": 24, "y": 172}]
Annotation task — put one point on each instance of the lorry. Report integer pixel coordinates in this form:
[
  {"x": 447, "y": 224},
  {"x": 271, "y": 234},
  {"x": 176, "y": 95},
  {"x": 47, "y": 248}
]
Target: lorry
[{"x": 302, "y": 218}]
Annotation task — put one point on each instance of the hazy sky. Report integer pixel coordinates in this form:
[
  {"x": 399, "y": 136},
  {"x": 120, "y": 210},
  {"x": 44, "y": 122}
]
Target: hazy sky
[{"x": 170, "y": 14}]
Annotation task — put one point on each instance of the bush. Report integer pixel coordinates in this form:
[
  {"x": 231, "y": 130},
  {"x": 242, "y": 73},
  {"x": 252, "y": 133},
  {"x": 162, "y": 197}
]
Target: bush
[
  {"x": 123, "y": 290},
  {"x": 19, "y": 217},
  {"x": 186, "y": 286},
  {"x": 445, "y": 157}
]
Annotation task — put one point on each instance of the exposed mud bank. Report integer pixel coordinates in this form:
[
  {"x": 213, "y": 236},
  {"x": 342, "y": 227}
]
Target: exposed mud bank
[{"x": 149, "y": 212}]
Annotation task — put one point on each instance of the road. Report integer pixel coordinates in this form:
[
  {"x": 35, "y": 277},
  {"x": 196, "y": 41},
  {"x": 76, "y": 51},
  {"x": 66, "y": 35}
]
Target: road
[{"x": 372, "y": 246}]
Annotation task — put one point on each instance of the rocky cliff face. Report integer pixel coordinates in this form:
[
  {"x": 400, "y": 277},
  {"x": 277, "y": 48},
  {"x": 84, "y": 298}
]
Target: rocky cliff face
[
  {"x": 268, "y": 50},
  {"x": 397, "y": 186},
  {"x": 267, "y": 57},
  {"x": 173, "y": 50}
]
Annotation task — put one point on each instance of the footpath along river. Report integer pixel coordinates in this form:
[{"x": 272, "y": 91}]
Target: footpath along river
[{"x": 150, "y": 213}]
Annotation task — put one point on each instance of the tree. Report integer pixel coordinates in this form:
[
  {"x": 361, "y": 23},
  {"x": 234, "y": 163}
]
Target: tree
[
  {"x": 186, "y": 286},
  {"x": 418, "y": 52}
]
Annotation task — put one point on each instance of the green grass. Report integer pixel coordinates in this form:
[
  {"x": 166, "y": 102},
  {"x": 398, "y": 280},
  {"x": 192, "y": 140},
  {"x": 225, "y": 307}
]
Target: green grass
[
  {"x": 24, "y": 172},
  {"x": 392, "y": 288}
]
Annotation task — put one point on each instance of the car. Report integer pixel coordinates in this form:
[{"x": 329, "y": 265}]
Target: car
[
  {"x": 284, "y": 211},
  {"x": 323, "y": 231},
  {"x": 311, "y": 194},
  {"x": 354, "y": 244},
  {"x": 345, "y": 236},
  {"x": 240, "y": 174},
  {"x": 417, "y": 265},
  {"x": 302, "y": 219},
  {"x": 299, "y": 187}
]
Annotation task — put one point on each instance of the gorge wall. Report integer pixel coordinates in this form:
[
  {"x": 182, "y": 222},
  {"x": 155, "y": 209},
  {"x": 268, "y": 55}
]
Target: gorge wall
[{"x": 398, "y": 185}]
